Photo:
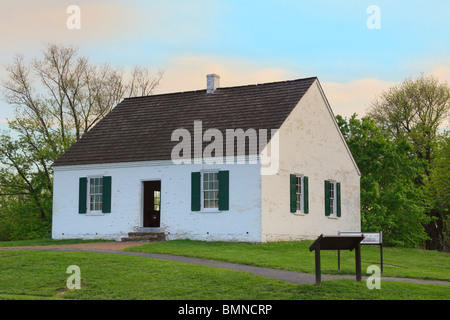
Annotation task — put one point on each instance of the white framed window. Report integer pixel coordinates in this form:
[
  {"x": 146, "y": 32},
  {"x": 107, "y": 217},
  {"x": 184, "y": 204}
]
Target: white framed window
[
  {"x": 333, "y": 211},
  {"x": 210, "y": 190},
  {"x": 332, "y": 198},
  {"x": 299, "y": 193},
  {"x": 95, "y": 194},
  {"x": 298, "y": 199}
]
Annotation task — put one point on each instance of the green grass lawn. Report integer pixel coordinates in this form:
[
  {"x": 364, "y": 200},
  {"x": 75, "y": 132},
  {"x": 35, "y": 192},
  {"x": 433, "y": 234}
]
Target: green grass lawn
[
  {"x": 295, "y": 256},
  {"x": 42, "y": 275},
  {"x": 45, "y": 242}
]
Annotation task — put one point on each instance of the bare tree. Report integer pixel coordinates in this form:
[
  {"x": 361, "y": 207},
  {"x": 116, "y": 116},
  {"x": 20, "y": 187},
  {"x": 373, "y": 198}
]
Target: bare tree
[
  {"x": 58, "y": 98},
  {"x": 142, "y": 82},
  {"x": 63, "y": 90}
]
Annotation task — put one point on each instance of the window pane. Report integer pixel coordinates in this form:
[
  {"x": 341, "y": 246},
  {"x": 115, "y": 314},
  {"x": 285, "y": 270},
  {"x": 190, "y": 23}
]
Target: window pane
[
  {"x": 210, "y": 190},
  {"x": 211, "y": 195},
  {"x": 332, "y": 190},
  {"x": 96, "y": 186},
  {"x": 211, "y": 199},
  {"x": 95, "y": 194},
  {"x": 299, "y": 184},
  {"x": 98, "y": 202},
  {"x": 156, "y": 197}
]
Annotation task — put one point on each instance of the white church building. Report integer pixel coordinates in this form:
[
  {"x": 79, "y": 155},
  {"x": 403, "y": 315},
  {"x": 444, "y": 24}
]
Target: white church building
[{"x": 253, "y": 163}]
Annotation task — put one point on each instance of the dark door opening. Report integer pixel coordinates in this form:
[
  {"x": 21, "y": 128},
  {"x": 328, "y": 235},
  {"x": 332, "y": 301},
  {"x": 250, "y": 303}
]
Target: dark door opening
[{"x": 152, "y": 204}]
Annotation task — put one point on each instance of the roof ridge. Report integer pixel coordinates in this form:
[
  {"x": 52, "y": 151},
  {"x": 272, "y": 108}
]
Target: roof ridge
[
  {"x": 222, "y": 88},
  {"x": 268, "y": 83}
]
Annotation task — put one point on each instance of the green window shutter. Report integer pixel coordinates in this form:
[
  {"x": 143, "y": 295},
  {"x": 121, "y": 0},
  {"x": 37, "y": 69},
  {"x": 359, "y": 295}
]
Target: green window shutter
[
  {"x": 293, "y": 192},
  {"x": 338, "y": 198},
  {"x": 224, "y": 190},
  {"x": 305, "y": 195},
  {"x": 82, "y": 196},
  {"x": 106, "y": 201},
  {"x": 195, "y": 191},
  {"x": 327, "y": 198}
]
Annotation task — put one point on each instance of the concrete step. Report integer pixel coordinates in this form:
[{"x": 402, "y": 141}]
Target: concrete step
[{"x": 145, "y": 236}]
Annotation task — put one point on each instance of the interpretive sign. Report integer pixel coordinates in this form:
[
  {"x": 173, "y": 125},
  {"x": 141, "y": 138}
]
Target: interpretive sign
[
  {"x": 370, "y": 238},
  {"x": 340, "y": 242}
]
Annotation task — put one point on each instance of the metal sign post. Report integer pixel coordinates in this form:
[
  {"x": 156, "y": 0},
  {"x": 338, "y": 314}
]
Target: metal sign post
[{"x": 370, "y": 238}]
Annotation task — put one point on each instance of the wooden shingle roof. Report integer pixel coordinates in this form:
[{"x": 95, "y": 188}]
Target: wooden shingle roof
[{"x": 140, "y": 129}]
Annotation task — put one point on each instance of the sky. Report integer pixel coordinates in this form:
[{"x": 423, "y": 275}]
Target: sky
[{"x": 356, "y": 48}]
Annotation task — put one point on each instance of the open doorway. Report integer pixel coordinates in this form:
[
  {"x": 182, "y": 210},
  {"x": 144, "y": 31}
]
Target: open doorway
[{"x": 152, "y": 204}]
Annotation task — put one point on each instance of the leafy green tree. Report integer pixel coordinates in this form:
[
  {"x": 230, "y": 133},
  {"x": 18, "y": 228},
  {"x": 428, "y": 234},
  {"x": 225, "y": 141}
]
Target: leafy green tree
[
  {"x": 416, "y": 110},
  {"x": 438, "y": 190},
  {"x": 390, "y": 200},
  {"x": 19, "y": 218}
]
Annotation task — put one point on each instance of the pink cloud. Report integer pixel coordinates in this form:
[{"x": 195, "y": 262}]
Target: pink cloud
[
  {"x": 189, "y": 73},
  {"x": 354, "y": 96}
]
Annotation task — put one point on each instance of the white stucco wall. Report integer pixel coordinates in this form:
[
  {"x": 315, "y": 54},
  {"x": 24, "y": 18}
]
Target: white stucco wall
[
  {"x": 310, "y": 145},
  {"x": 241, "y": 223}
]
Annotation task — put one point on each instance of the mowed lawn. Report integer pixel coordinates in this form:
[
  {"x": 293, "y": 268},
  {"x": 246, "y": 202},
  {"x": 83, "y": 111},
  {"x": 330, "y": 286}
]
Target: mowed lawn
[
  {"x": 26, "y": 274},
  {"x": 295, "y": 256}
]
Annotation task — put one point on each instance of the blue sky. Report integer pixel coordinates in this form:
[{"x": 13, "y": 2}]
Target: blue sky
[{"x": 245, "y": 41}]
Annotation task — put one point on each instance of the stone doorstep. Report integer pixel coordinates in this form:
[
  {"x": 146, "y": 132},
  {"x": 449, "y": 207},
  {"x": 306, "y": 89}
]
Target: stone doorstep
[{"x": 145, "y": 236}]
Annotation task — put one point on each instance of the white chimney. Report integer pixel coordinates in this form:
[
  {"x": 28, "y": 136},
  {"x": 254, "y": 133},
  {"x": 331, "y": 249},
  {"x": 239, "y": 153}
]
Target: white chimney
[{"x": 212, "y": 83}]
